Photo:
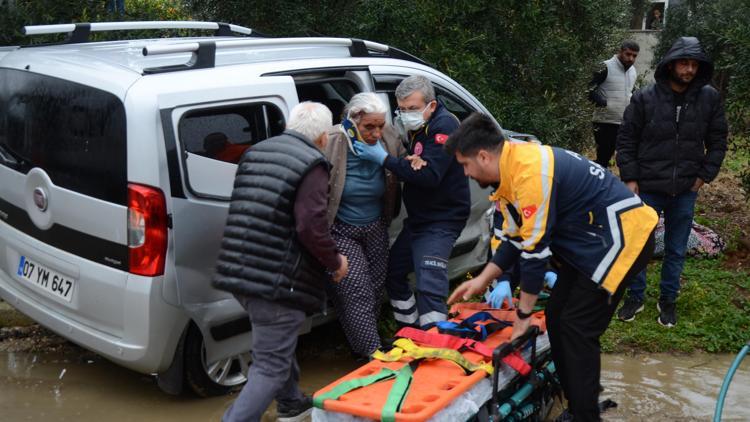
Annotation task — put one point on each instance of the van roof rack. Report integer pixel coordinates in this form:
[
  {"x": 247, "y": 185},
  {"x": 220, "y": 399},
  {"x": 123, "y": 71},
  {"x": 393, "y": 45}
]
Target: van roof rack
[
  {"x": 79, "y": 32},
  {"x": 204, "y": 52}
]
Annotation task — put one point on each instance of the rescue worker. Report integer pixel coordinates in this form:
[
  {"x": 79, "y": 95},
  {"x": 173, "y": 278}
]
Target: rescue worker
[
  {"x": 557, "y": 202},
  {"x": 437, "y": 202}
]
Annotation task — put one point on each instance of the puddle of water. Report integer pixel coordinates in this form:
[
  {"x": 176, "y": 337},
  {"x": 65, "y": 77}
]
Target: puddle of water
[
  {"x": 667, "y": 387},
  {"x": 53, "y": 387}
]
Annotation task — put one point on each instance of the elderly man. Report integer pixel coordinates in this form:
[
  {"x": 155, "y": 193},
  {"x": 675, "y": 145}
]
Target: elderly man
[
  {"x": 437, "y": 203},
  {"x": 274, "y": 255}
]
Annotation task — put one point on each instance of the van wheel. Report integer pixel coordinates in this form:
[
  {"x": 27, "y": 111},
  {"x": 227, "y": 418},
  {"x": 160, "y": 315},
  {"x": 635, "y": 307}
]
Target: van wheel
[{"x": 208, "y": 379}]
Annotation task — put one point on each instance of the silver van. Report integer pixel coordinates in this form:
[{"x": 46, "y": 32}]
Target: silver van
[{"x": 114, "y": 191}]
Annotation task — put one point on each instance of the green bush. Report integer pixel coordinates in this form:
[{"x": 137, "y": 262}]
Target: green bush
[
  {"x": 527, "y": 61},
  {"x": 723, "y": 27},
  {"x": 48, "y": 12}
]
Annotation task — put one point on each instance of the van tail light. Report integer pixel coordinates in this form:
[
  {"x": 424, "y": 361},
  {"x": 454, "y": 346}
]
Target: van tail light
[{"x": 147, "y": 230}]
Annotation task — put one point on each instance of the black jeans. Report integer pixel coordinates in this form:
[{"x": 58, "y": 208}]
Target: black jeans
[
  {"x": 605, "y": 135},
  {"x": 578, "y": 313}
]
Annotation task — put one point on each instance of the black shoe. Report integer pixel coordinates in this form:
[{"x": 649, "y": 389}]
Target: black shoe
[
  {"x": 629, "y": 309},
  {"x": 565, "y": 416},
  {"x": 294, "y": 412},
  {"x": 667, "y": 313}
]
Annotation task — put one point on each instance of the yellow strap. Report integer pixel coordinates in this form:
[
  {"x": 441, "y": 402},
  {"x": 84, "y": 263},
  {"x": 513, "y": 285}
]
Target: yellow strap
[{"x": 405, "y": 348}]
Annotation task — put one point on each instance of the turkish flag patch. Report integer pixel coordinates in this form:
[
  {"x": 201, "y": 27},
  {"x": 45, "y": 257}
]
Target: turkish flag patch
[
  {"x": 441, "y": 138},
  {"x": 529, "y": 211}
]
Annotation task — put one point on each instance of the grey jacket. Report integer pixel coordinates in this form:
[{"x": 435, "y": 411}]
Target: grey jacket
[
  {"x": 335, "y": 152},
  {"x": 616, "y": 89}
]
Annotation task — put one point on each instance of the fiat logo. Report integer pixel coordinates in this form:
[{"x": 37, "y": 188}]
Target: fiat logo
[{"x": 40, "y": 199}]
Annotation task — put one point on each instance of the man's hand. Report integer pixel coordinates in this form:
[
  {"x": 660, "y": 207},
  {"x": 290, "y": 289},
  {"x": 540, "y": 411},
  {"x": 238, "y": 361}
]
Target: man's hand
[
  {"x": 416, "y": 162},
  {"x": 467, "y": 289},
  {"x": 500, "y": 294},
  {"x": 526, "y": 304},
  {"x": 519, "y": 327},
  {"x": 343, "y": 270},
  {"x": 633, "y": 186},
  {"x": 375, "y": 152},
  {"x": 697, "y": 185}
]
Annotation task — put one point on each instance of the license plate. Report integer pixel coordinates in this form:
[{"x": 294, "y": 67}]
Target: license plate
[{"x": 46, "y": 279}]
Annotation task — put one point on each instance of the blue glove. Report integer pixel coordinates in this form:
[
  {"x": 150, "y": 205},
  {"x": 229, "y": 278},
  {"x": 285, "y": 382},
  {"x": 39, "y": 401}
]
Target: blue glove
[
  {"x": 375, "y": 152},
  {"x": 500, "y": 294},
  {"x": 550, "y": 278}
]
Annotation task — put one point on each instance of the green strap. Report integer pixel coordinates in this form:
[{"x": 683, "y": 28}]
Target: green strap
[
  {"x": 398, "y": 392},
  {"x": 352, "y": 384}
]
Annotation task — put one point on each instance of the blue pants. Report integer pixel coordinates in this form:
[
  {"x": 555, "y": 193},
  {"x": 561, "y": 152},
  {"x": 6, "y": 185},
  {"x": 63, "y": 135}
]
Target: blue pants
[
  {"x": 424, "y": 250},
  {"x": 678, "y": 221},
  {"x": 274, "y": 373}
]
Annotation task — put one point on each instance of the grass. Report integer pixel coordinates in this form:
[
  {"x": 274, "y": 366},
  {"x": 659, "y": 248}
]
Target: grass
[{"x": 713, "y": 313}]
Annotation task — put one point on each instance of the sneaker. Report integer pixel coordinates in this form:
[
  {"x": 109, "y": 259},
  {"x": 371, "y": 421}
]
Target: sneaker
[
  {"x": 294, "y": 412},
  {"x": 629, "y": 309},
  {"x": 667, "y": 313}
]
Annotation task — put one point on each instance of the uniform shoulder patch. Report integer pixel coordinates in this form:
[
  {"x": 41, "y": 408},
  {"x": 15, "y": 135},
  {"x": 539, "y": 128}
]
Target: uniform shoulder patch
[
  {"x": 529, "y": 211},
  {"x": 441, "y": 138}
]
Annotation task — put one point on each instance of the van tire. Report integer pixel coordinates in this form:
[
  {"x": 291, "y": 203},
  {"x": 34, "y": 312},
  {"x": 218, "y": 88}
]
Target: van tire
[{"x": 196, "y": 375}]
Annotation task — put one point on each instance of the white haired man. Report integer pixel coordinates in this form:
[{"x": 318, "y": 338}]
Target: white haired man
[{"x": 274, "y": 255}]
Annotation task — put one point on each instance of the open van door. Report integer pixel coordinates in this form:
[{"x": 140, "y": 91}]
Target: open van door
[{"x": 207, "y": 128}]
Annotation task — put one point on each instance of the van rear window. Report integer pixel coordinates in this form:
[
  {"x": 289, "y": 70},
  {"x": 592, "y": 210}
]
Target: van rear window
[{"x": 74, "y": 132}]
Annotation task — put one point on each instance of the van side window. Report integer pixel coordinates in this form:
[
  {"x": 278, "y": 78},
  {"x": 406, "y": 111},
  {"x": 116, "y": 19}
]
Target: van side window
[
  {"x": 388, "y": 83},
  {"x": 224, "y": 133},
  {"x": 333, "y": 93}
]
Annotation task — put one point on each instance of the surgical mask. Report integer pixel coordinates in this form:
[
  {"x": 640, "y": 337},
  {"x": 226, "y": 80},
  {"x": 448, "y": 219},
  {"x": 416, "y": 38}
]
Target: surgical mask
[{"x": 412, "y": 120}]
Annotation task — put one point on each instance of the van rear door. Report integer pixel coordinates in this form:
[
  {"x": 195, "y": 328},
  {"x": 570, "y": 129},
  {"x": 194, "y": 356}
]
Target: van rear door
[{"x": 63, "y": 194}]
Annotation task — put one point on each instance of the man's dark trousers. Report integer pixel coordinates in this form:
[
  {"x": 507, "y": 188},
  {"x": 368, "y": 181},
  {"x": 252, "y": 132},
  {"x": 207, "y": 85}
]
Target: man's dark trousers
[
  {"x": 424, "y": 249},
  {"x": 678, "y": 221},
  {"x": 577, "y": 314},
  {"x": 274, "y": 373},
  {"x": 605, "y": 135}
]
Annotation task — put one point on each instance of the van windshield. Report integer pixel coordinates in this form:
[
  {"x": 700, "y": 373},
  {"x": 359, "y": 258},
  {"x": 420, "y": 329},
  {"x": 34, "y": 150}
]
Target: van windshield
[{"x": 75, "y": 133}]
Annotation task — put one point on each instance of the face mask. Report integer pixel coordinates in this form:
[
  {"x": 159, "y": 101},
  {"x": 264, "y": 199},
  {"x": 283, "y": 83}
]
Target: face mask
[{"x": 412, "y": 120}]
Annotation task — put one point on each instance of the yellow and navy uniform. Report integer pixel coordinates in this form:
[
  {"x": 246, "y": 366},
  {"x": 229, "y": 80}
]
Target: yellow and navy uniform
[{"x": 557, "y": 202}]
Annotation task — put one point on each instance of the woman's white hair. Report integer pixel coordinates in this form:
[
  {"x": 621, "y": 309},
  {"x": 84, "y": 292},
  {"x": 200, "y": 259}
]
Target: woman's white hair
[
  {"x": 310, "y": 119},
  {"x": 364, "y": 103}
]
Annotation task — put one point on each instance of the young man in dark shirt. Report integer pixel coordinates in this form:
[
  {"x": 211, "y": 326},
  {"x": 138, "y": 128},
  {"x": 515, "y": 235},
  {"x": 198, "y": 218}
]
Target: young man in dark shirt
[{"x": 672, "y": 141}]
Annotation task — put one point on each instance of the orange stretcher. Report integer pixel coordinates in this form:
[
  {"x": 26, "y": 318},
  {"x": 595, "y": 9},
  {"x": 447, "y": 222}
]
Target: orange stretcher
[{"x": 431, "y": 384}]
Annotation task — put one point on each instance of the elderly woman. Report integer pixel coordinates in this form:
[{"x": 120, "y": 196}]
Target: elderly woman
[{"x": 361, "y": 205}]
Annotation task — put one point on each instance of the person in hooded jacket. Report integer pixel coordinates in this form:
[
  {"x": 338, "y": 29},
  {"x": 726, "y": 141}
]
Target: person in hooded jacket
[{"x": 672, "y": 141}]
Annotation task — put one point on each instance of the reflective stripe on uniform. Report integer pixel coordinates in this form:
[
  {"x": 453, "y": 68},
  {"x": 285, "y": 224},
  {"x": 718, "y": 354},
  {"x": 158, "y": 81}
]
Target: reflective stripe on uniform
[
  {"x": 404, "y": 305},
  {"x": 431, "y": 318},
  {"x": 546, "y": 252},
  {"x": 406, "y": 318},
  {"x": 614, "y": 227},
  {"x": 540, "y": 222}
]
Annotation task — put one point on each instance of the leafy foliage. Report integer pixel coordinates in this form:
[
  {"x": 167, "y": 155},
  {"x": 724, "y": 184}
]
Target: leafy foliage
[
  {"x": 527, "y": 61},
  {"x": 48, "y": 12},
  {"x": 723, "y": 27}
]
